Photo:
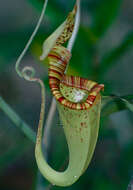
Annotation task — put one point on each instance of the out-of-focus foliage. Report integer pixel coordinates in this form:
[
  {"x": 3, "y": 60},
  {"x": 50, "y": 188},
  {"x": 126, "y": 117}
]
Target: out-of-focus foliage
[
  {"x": 111, "y": 58},
  {"x": 104, "y": 15},
  {"x": 102, "y": 52}
]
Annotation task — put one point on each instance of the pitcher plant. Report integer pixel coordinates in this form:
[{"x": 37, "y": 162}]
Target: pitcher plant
[{"x": 78, "y": 102}]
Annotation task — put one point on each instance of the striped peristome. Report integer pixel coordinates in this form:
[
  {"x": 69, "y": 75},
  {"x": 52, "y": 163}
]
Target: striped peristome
[{"x": 58, "y": 58}]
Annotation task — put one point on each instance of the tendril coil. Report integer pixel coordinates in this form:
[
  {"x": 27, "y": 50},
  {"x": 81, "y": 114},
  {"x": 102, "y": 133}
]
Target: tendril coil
[{"x": 28, "y": 72}]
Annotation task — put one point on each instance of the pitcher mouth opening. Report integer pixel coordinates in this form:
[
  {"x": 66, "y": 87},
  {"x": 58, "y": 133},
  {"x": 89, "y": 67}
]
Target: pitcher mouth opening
[
  {"x": 73, "y": 94},
  {"x": 78, "y": 97}
]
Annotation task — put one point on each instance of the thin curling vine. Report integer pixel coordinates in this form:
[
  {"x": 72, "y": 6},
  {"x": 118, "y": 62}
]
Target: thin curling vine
[
  {"x": 27, "y": 72},
  {"x": 78, "y": 102}
]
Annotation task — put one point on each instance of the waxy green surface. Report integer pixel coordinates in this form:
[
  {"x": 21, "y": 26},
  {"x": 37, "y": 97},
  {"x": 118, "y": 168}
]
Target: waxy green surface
[
  {"x": 80, "y": 128},
  {"x": 81, "y": 131}
]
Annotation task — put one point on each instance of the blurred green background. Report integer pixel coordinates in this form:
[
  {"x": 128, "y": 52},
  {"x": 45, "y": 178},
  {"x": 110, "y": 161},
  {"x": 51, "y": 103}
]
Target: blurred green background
[{"x": 102, "y": 52}]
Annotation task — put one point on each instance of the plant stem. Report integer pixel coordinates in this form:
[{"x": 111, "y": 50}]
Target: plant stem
[
  {"x": 75, "y": 31},
  {"x": 40, "y": 184},
  {"x": 130, "y": 186},
  {"x": 49, "y": 124},
  {"x": 29, "y": 133},
  {"x": 76, "y": 28}
]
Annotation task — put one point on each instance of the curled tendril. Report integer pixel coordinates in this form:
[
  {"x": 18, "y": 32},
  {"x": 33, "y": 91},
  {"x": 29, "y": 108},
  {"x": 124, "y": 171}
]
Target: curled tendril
[
  {"x": 28, "y": 73},
  {"x": 23, "y": 73}
]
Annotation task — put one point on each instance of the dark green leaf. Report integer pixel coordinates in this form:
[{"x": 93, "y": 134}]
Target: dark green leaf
[
  {"x": 128, "y": 104},
  {"x": 14, "y": 117},
  {"x": 115, "y": 54},
  {"x": 112, "y": 104},
  {"x": 105, "y": 13}
]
